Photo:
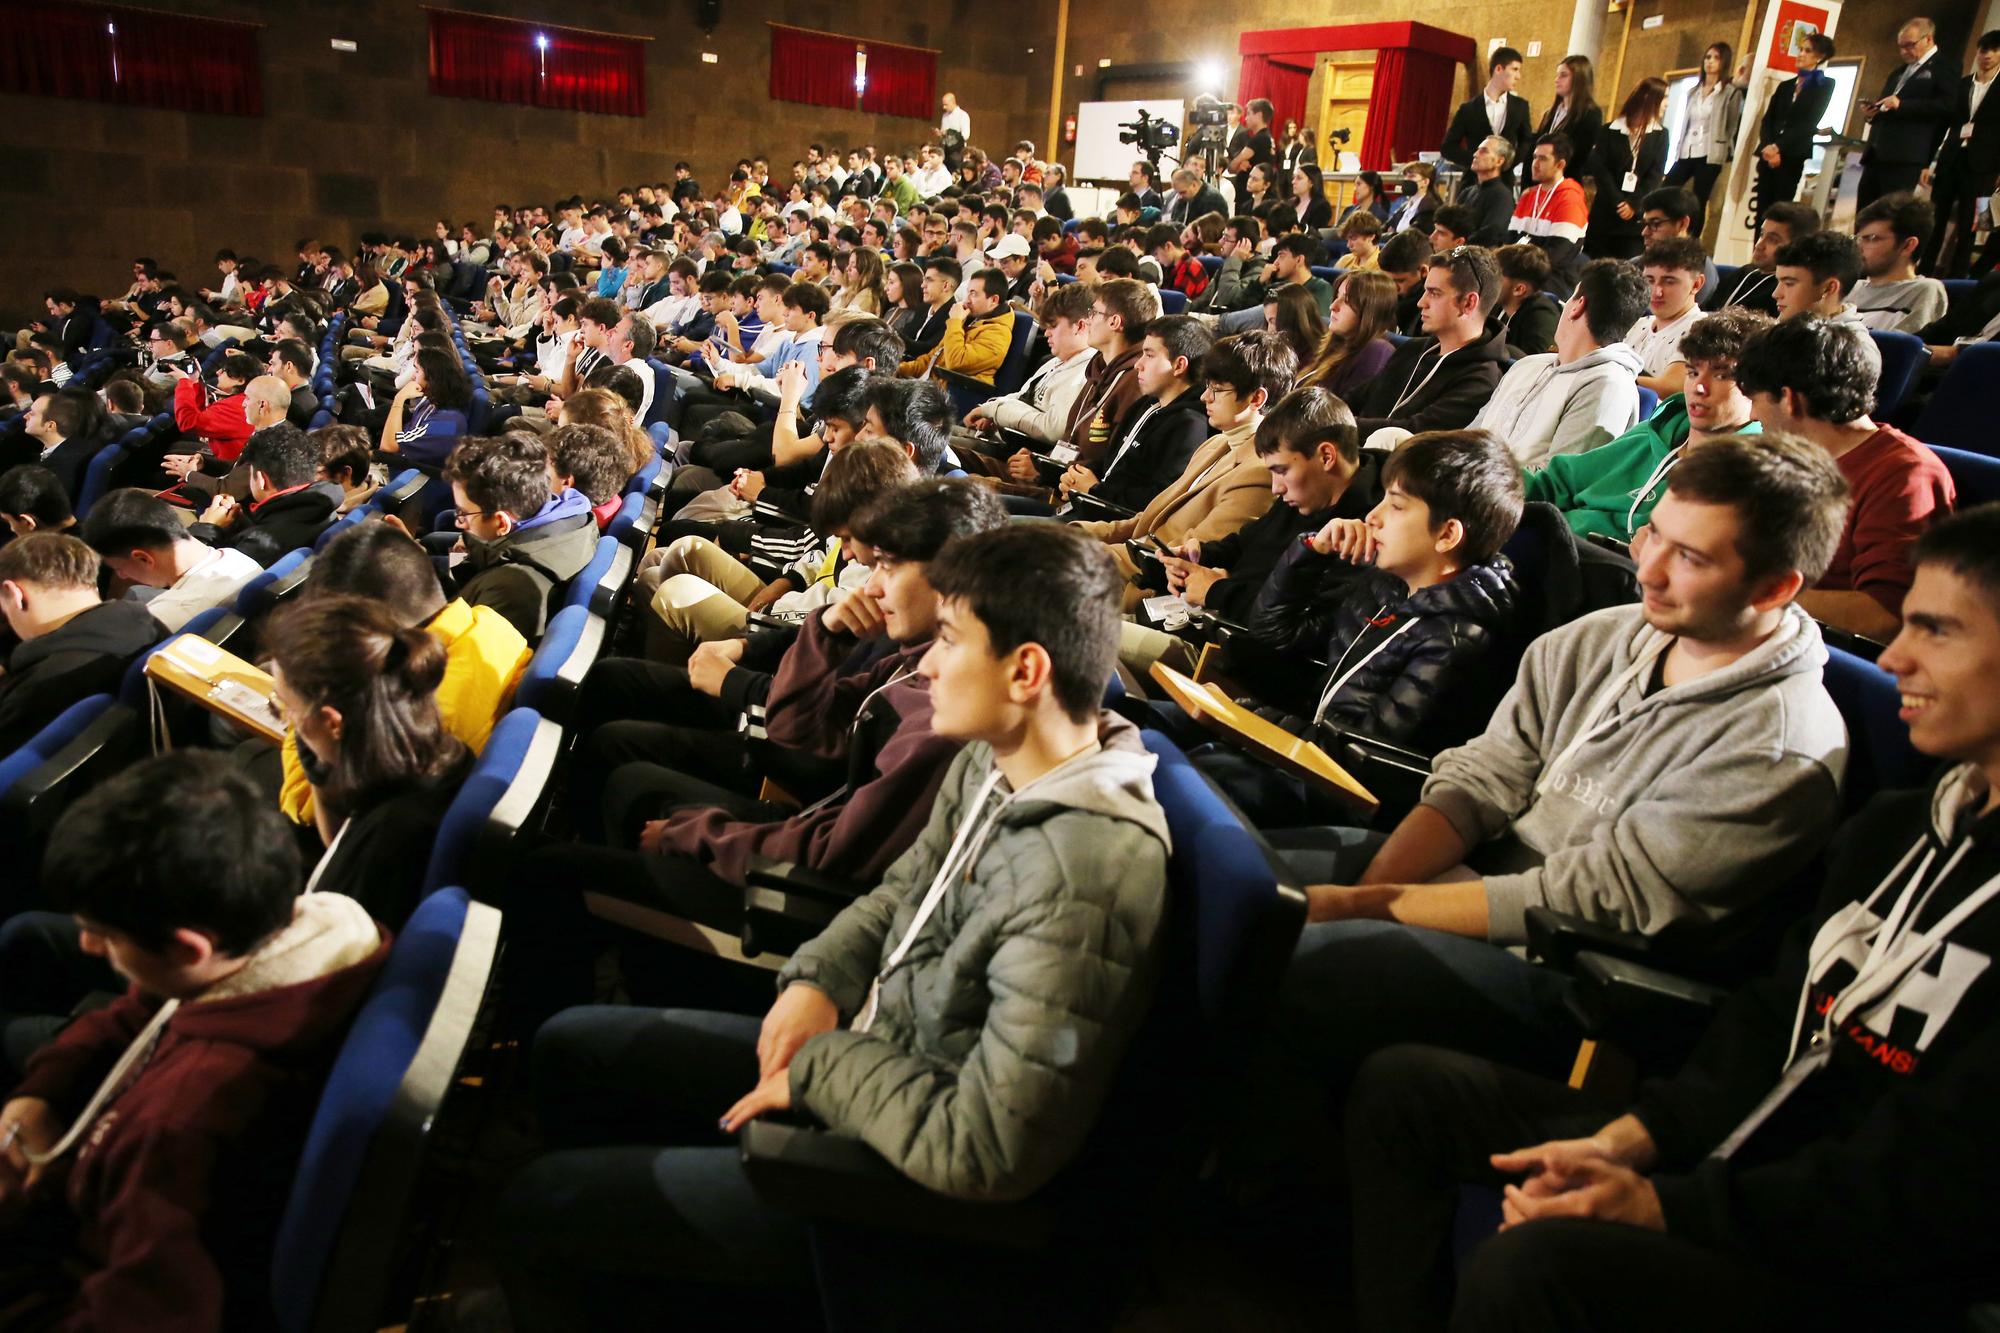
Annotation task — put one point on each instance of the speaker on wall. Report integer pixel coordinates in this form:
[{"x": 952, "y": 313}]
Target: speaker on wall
[{"x": 708, "y": 13}]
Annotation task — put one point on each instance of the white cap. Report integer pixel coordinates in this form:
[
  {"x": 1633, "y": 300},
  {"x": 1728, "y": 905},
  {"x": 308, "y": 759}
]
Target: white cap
[{"x": 1009, "y": 246}]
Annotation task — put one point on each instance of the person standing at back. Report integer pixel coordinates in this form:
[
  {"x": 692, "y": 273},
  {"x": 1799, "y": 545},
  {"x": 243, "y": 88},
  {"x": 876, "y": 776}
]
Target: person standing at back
[
  {"x": 1791, "y": 119},
  {"x": 1968, "y": 161},
  {"x": 1906, "y": 123},
  {"x": 1495, "y": 109}
]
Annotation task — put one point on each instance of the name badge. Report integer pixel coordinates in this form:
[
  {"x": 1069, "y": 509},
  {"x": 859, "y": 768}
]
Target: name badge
[
  {"x": 1965, "y": 132},
  {"x": 1064, "y": 453},
  {"x": 1631, "y": 184}
]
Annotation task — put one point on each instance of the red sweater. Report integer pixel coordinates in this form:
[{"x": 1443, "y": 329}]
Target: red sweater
[
  {"x": 1899, "y": 488},
  {"x": 810, "y": 707},
  {"x": 221, "y": 425},
  {"x": 178, "y": 1187}
]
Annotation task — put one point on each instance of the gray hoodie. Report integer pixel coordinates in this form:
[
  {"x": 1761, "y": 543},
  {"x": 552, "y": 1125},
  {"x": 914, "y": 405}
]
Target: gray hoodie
[
  {"x": 1635, "y": 811},
  {"x": 1542, "y": 409},
  {"x": 994, "y": 1038}
]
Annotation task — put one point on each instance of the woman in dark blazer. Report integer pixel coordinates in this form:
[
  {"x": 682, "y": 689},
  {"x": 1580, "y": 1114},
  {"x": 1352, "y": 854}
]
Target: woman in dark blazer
[
  {"x": 1575, "y": 112},
  {"x": 1785, "y": 135},
  {"x": 1631, "y": 162}
]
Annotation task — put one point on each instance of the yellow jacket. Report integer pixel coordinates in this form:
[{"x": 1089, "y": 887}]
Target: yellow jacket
[
  {"x": 484, "y": 658},
  {"x": 976, "y": 348}
]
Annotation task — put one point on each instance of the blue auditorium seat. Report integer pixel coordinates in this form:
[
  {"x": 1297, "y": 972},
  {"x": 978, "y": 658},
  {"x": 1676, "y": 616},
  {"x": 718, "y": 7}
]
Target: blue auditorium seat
[
  {"x": 506, "y": 783},
  {"x": 1649, "y": 403},
  {"x": 1959, "y": 412},
  {"x": 1903, "y": 355},
  {"x": 570, "y": 646},
  {"x": 1879, "y": 753},
  {"x": 1976, "y": 477}
]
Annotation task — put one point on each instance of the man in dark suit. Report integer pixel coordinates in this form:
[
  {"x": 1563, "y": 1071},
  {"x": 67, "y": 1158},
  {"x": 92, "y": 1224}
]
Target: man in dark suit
[
  {"x": 1908, "y": 119},
  {"x": 1785, "y": 135},
  {"x": 1968, "y": 160},
  {"x": 1496, "y": 109},
  {"x": 1191, "y": 198}
]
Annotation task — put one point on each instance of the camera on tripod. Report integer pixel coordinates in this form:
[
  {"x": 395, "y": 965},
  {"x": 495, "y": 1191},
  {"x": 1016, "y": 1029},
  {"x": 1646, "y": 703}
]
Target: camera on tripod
[{"x": 1151, "y": 134}]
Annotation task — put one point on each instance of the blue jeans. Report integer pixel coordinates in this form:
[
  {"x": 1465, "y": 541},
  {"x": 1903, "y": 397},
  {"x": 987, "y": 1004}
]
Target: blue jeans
[{"x": 643, "y": 1196}]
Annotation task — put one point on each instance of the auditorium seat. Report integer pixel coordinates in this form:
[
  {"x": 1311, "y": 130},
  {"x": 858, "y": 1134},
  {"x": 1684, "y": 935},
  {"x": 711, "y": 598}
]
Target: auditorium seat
[
  {"x": 1649, "y": 402},
  {"x": 569, "y": 648},
  {"x": 624, "y": 525},
  {"x": 1976, "y": 477},
  {"x": 343, "y": 1238},
  {"x": 1903, "y": 355},
  {"x": 600, "y": 584},
  {"x": 502, "y": 794},
  {"x": 1173, "y": 301},
  {"x": 1959, "y": 412},
  {"x": 285, "y": 576},
  {"x": 86, "y": 743}
]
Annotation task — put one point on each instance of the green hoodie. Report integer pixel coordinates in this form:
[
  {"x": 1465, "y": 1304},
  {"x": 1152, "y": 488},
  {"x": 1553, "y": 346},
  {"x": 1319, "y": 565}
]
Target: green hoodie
[{"x": 1611, "y": 490}]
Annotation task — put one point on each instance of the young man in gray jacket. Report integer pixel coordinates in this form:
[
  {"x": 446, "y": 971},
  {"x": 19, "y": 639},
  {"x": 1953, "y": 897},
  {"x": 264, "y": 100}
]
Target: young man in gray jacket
[
  {"x": 1654, "y": 766},
  {"x": 965, "y": 1020}
]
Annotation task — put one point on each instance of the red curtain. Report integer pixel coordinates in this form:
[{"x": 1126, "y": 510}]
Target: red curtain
[
  {"x": 902, "y": 81},
  {"x": 131, "y": 56},
  {"x": 1280, "y": 80},
  {"x": 563, "y": 69},
  {"x": 1410, "y": 107},
  {"x": 816, "y": 68}
]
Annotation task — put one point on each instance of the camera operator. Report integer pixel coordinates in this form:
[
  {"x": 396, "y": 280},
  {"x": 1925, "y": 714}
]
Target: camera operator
[{"x": 1252, "y": 144}]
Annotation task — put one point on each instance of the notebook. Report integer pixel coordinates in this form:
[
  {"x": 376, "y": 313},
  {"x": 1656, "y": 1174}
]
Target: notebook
[
  {"x": 1234, "y": 723},
  {"x": 221, "y": 682}
]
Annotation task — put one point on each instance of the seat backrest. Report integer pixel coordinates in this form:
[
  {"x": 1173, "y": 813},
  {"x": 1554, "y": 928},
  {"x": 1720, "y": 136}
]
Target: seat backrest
[
  {"x": 1959, "y": 413},
  {"x": 664, "y": 389},
  {"x": 506, "y": 783},
  {"x": 1975, "y": 477},
  {"x": 624, "y": 525},
  {"x": 1014, "y": 367},
  {"x": 569, "y": 647},
  {"x": 97, "y": 477},
  {"x": 43, "y": 745},
  {"x": 1903, "y": 354},
  {"x": 1172, "y": 301},
  {"x": 1649, "y": 402},
  {"x": 1879, "y": 753},
  {"x": 336, "y": 1243},
  {"x": 263, "y": 590}
]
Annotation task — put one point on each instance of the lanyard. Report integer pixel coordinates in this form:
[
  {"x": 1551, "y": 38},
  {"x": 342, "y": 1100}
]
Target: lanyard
[
  {"x": 1639, "y": 496},
  {"x": 1599, "y": 715},
  {"x": 1132, "y": 436},
  {"x": 1408, "y": 392},
  {"x": 1544, "y": 200},
  {"x": 1340, "y": 678}
]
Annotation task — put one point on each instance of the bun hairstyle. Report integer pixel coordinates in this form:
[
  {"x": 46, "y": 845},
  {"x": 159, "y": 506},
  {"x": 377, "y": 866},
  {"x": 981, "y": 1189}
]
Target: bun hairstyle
[{"x": 350, "y": 654}]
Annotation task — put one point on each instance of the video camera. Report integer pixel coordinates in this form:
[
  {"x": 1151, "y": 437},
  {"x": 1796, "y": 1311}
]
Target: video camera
[
  {"x": 1208, "y": 111},
  {"x": 1152, "y": 135}
]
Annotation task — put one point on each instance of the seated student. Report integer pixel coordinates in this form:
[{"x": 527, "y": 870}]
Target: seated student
[
  {"x": 705, "y": 593},
  {"x": 522, "y": 544},
  {"x": 1583, "y": 393},
  {"x": 64, "y": 432},
  {"x": 1815, "y": 276},
  {"x": 1611, "y": 490},
  {"x": 995, "y": 1043},
  {"x": 359, "y": 689},
  {"x": 484, "y": 656},
  {"x": 1655, "y": 766},
  {"x": 1355, "y": 347},
  {"x": 1120, "y": 310},
  {"x": 1040, "y": 408},
  {"x": 1808, "y": 377},
  {"x": 1670, "y": 213},
  {"x": 1673, "y": 270},
  {"x": 1890, "y": 295},
  {"x": 142, "y": 540},
  {"x": 241, "y": 987},
  {"x": 1440, "y": 381},
  {"x": 345, "y": 459},
  {"x": 427, "y": 417},
  {"x": 1727, "y": 1200},
  {"x": 1171, "y": 422},
  {"x": 289, "y": 504},
  {"x": 978, "y": 332},
  {"x": 593, "y": 461},
  {"x": 805, "y": 305},
  {"x": 1553, "y": 215},
  {"x": 1408, "y": 626},
  {"x": 216, "y": 419},
  {"x": 1225, "y": 483},
  {"x": 72, "y": 643},
  {"x": 942, "y": 276},
  {"x": 844, "y": 696},
  {"x": 1528, "y": 314},
  {"x": 32, "y": 499},
  {"x": 1237, "y": 282},
  {"x": 1451, "y": 227},
  {"x": 1362, "y": 254},
  {"x": 1755, "y": 287}
]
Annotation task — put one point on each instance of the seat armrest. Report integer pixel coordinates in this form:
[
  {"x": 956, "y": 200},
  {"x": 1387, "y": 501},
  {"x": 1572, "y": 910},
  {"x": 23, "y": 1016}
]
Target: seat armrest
[
  {"x": 1100, "y": 509},
  {"x": 958, "y": 379},
  {"x": 1639, "y": 1006},
  {"x": 836, "y": 1178},
  {"x": 1557, "y": 939},
  {"x": 779, "y": 922},
  {"x": 790, "y": 877}
]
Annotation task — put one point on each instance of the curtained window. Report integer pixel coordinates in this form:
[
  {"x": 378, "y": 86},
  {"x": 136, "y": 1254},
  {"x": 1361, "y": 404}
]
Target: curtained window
[
  {"x": 560, "y": 69},
  {"x": 826, "y": 69},
  {"x": 105, "y": 53}
]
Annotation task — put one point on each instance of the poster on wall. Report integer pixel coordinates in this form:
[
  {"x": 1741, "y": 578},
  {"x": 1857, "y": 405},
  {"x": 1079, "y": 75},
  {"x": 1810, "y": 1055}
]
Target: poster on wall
[{"x": 1795, "y": 21}]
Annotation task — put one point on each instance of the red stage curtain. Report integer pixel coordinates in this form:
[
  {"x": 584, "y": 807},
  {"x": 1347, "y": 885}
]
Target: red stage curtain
[
  {"x": 902, "y": 81},
  {"x": 816, "y": 68},
  {"x": 1410, "y": 107},
  {"x": 1281, "y": 81},
  {"x": 136, "y": 57},
  {"x": 493, "y": 60}
]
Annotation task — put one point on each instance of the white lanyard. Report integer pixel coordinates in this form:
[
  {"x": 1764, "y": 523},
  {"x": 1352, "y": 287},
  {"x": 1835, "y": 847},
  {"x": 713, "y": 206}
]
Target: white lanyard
[
  {"x": 135, "y": 1055},
  {"x": 1544, "y": 200},
  {"x": 1341, "y": 677},
  {"x": 1598, "y": 716},
  {"x": 1131, "y": 436},
  {"x": 1639, "y": 496},
  {"x": 1408, "y": 392},
  {"x": 312, "y": 885}
]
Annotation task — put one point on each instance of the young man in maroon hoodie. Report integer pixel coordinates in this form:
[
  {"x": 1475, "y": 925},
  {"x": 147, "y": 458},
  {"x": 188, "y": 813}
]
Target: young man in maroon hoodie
[{"x": 158, "y": 1136}]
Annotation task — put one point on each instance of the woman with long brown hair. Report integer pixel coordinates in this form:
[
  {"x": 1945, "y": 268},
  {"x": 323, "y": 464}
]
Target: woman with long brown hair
[
  {"x": 1575, "y": 113},
  {"x": 1293, "y": 314},
  {"x": 861, "y": 283},
  {"x": 601, "y": 407},
  {"x": 1708, "y": 128},
  {"x": 1356, "y": 345},
  {"x": 1630, "y": 164}
]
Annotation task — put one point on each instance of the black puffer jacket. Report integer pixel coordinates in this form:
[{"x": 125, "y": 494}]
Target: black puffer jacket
[{"x": 1401, "y": 661}]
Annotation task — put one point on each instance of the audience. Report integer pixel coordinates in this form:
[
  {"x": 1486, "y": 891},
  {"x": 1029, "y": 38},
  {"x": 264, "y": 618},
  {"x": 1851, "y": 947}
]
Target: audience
[
  {"x": 1440, "y": 381},
  {"x": 1891, "y": 295},
  {"x": 70, "y": 642},
  {"x": 522, "y": 543},
  {"x": 144, "y": 543}
]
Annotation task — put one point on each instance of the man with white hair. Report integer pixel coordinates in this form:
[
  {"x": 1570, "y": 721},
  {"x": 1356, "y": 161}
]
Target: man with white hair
[{"x": 1909, "y": 119}]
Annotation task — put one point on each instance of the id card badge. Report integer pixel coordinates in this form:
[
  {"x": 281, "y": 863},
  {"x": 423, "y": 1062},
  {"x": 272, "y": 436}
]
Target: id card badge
[
  {"x": 1631, "y": 185},
  {"x": 1064, "y": 453},
  {"x": 1965, "y": 132}
]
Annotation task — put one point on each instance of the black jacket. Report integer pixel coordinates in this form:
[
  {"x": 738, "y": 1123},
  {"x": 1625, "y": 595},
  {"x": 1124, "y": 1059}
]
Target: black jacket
[
  {"x": 1469, "y": 125},
  {"x": 1155, "y": 458},
  {"x": 1057, "y": 205},
  {"x": 1492, "y": 204},
  {"x": 280, "y": 524},
  {"x": 1909, "y": 135},
  {"x": 1582, "y": 132},
  {"x": 87, "y": 655},
  {"x": 1978, "y": 159},
  {"x": 305, "y": 406},
  {"x": 1790, "y": 121},
  {"x": 70, "y": 460},
  {"x": 524, "y": 575},
  {"x": 1253, "y": 551},
  {"x": 1885, "y": 1153},
  {"x": 1532, "y": 330},
  {"x": 1398, "y": 659},
  {"x": 1183, "y": 211},
  {"x": 1416, "y": 393},
  {"x": 1613, "y": 159},
  {"x": 383, "y": 857}
]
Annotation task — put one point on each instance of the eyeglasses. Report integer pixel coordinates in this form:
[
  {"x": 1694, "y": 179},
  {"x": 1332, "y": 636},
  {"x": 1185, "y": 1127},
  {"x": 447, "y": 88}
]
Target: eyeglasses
[{"x": 463, "y": 514}]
